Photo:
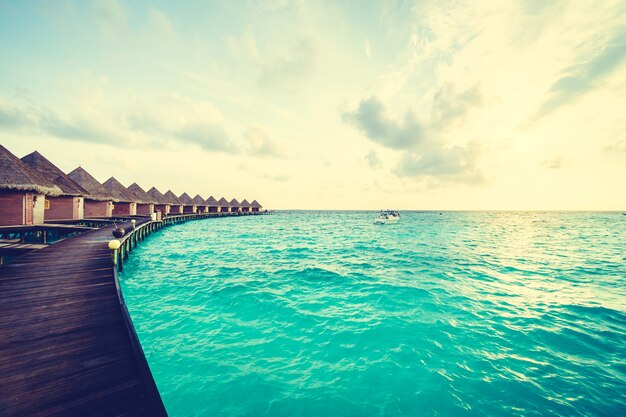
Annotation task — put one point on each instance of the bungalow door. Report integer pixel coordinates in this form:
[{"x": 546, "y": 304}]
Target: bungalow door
[
  {"x": 78, "y": 209},
  {"x": 29, "y": 204}
]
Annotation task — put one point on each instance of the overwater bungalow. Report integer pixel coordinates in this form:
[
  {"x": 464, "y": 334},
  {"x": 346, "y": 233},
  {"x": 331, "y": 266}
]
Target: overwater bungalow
[
  {"x": 224, "y": 206},
  {"x": 176, "y": 206},
  {"x": 255, "y": 206},
  {"x": 22, "y": 191},
  {"x": 245, "y": 206},
  {"x": 162, "y": 203},
  {"x": 200, "y": 204},
  {"x": 213, "y": 205},
  {"x": 235, "y": 206},
  {"x": 98, "y": 201},
  {"x": 188, "y": 205},
  {"x": 145, "y": 202},
  {"x": 126, "y": 201},
  {"x": 67, "y": 206}
]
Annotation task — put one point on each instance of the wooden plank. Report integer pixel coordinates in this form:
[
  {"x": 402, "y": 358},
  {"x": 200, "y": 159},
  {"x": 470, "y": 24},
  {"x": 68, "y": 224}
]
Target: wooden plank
[{"x": 65, "y": 347}]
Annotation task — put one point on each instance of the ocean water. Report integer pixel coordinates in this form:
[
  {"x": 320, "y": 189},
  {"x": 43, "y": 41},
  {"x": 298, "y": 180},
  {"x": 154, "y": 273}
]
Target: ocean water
[{"x": 326, "y": 314}]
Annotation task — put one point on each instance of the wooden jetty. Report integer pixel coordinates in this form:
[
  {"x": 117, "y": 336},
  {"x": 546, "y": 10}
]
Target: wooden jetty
[{"x": 67, "y": 344}]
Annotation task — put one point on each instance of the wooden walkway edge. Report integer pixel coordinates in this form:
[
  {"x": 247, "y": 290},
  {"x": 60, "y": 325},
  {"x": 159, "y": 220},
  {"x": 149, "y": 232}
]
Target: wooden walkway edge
[{"x": 67, "y": 344}]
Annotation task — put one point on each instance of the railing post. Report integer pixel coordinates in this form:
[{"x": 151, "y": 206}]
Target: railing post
[{"x": 114, "y": 246}]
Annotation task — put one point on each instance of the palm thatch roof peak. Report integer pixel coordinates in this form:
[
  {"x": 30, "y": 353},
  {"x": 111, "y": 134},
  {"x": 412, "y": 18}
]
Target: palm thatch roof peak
[
  {"x": 51, "y": 172},
  {"x": 198, "y": 201},
  {"x": 173, "y": 200},
  {"x": 245, "y": 203},
  {"x": 16, "y": 175},
  {"x": 234, "y": 203},
  {"x": 95, "y": 190},
  {"x": 223, "y": 202},
  {"x": 118, "y": 191},
  {"x": 256, "y": 204},
  {"x": 212, "y": 202},
  {"x": 158, "y": 196},
  {"x": 141, "y": 194},
  {"x": 186, "y": 200}
]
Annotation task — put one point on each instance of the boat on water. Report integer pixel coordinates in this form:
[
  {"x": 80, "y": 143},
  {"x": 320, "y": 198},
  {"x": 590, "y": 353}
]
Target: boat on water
[{"x": 387, "y": 217}]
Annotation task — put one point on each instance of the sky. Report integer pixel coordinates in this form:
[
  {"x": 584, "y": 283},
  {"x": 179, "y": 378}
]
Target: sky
[{"x": 422, "y": 105}]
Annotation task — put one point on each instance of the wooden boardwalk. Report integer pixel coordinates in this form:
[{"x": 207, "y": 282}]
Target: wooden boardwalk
[{"x": 67, "y": 347}]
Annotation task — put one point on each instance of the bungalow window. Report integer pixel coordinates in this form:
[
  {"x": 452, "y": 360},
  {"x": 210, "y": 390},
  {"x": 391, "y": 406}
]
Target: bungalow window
[{"x": 46, "y": 205}]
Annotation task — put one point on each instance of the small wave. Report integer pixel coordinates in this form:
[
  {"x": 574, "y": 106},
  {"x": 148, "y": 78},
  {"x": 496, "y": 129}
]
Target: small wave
[{"x": 309, "y": 314}]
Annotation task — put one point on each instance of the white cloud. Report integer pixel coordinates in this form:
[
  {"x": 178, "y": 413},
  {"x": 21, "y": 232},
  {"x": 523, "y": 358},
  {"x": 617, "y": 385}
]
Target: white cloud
[
  {"x": 554, "y": 163},
  {"x": 244, "y": 46},
  {"x": 367, "y": 47},
  {"x": 144, "y": 123},
  {"x": 372, "y": 159},
  {"x": 288, "y": 68},
  {"x": 162, "y": 24},
  {"x": 259, "y": 142},
  {"x": 111, "y": 15},
  {"x": 425, "y": 152}
]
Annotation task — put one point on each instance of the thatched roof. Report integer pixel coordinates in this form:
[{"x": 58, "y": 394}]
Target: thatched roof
[
  {"x": 245, "y": 203},
  {"x": 16, "y": 175},
  {"x": 118, "y": 191},
  {"x": 172, "y": 199},
  {"x": 223, "y": 202},
  {"x": 255, "y": 204},
  {"x": 157, "y": 196},
  {"x": 143, "y": 197},
  {"x": 95, "y": 190},
  {"x": 212, "y": 202},
  {"x": 186, "y": 200},
  {"x": 198, "y": 201},
  {"x": 234, "y": 203},
  {"x": 51, "y": 172}
]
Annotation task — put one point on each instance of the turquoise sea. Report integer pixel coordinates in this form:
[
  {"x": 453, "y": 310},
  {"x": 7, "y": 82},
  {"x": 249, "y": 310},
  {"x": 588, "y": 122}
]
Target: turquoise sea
[{"x": 326, "y": 314}]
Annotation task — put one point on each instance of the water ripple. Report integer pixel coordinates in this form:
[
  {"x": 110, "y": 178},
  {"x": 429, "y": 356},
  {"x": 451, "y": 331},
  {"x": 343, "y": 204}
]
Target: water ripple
[{"x": 325, "y": 314}]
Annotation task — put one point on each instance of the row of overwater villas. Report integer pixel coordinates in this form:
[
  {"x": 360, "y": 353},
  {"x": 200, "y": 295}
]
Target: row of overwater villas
[{"x": 33, "y": 191}]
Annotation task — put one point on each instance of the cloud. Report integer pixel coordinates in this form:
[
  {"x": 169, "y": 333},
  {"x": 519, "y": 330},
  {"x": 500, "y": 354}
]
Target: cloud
[
  {"x": 259, "y": 142},
  {"x": 171, "y": 118},
  {"x": 371, "y": 118},
  {"x": 372, "y": 160},
  {"x": 39, "y": 119},
  {"x": 276, "y": 177},
  {"x": 161, "y": 24},
  {"x": 424, "y": 153},
  {"x": 282, "y": 64},
  {"x": 554, "y": 163},
  {"x": 367, "y": 48},
  {"x": 184, "y": 119},
  {"x": 275, "y": 4},
  {"x": 111, "y": 15},
  {"x": 453, "y": 164},
  {"x": 450, "y": 106},
  {"x": 211, "y": 137},
  {"x": 78, "y": 128},
  {"x": 12, "y": 117},
  {"x": 585, "y": 76},
  {"x": 244, "y": 46},
  {"x": 619, "y": 146},
  {"x": 166, "y": 119},
  {"x": 284, "y": 70}
]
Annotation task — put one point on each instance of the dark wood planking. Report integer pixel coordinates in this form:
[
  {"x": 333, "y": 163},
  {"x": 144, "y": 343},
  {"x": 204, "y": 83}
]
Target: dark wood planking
[{"x": 65, "y": 348}]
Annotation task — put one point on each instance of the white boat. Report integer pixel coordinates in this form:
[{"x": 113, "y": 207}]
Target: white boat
[{"x": 387, "y": 217}]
